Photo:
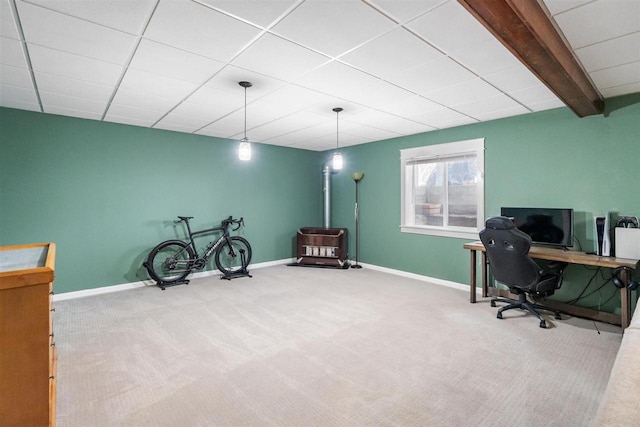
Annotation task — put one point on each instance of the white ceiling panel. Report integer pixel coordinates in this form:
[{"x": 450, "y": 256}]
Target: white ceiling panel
[
  {"x": 333, "y": 30},
  {"x": 470, "y": 90},
  {"x": 621, "y": 50},
  {"x": 72, "y": 66},
  {"x": 617, "y": 76},
  {"x": 12, "y": 53},
  {"x": 124, "y": 15},
  {"x": 7, "y": 22},
  {"x": 176, "y": 64},
  {"x": 18, "y": 94},
  {"x": 139, "y": 114},
  {"x": 294, "y": 59},
  {"x": 73, "y": 35},
  {"x": 258, "y": 12},
  {"x": 606, "y": 22},
  {"x": 153, "y": 84},
  {"x": 74, "y": 88},
  {"x": 199, "y": 29},
  {"x": 143, "y": 101},
  {"x": 432, "y": 76},
  {"x": 56, "y": 100},
  {"x": 450, "y": 28},
  {"x": 15, "y": 76},
  {"x": 405, "y": 10},
  {"x": 394, "y": 51}
]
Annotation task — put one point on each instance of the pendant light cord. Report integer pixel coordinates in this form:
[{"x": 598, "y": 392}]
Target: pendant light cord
[{"x": 245, "y": 113}]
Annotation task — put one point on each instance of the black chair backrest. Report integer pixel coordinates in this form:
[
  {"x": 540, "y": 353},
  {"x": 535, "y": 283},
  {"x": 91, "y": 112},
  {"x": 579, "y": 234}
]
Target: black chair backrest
[{"x": 508, "y": 253}]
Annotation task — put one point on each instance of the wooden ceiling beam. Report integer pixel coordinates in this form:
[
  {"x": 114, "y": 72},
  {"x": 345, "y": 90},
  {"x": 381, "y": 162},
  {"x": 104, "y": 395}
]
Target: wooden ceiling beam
[{"x": 524, "y": 27}]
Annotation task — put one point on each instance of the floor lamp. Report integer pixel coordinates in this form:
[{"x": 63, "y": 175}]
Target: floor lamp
[{"x": 357, "y": 176}]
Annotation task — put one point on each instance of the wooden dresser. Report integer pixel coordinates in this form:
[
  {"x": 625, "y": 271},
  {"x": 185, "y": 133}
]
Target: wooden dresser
[{"x": 27, "y": 348}]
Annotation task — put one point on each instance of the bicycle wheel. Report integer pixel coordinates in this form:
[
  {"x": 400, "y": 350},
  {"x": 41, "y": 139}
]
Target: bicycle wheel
[
  {"x": 228, "y": 259},
  {"x": 170, "y": 261}
]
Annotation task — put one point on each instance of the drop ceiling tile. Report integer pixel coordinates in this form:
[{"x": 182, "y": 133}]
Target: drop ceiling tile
[
  {"x": 17, "y": 94},
  {"x": 611, "y": 53},
  {"x": 378, "y": 93},
  {"x": 410, "y": 106},
  {"x": 143, "y": 101},
  {"x": 72, "y": 66},
  {"x": 442, "y": 118},
  {"x": 210, "y": 102},
  {"x": 189, "y": 122},
  {"x": 432, "y": 76},
  {"x": 395, "y": 51},
  {"x": 518, "y": 77},
  {"x": 174, "y": 128},
  {"x": 17, "y": 104},
  {"x": 124, "y": 15},
  {"x": 199, "y": 29},
  {"x": 471, "y": 90},
  {"x": 153, "y": 84},
  {"x": 285, "y": 125},
  {"x": 621, "y": 90},
  {"x": 333, "y": 30},
  {"x": 55, "y": 100},
  {"x": 260, "y": 112},
  {"x": 62, "y": 32},
  {"x": 500, "y": 114},
  {"x": 298, "y": 97},
  {"x": 405, "y": 10},
  {"x": 72, "y": 113},
  {"x": 224, "y": 128},
  {"x": 11, "y": 53},
  {"x": 558, "y": 6},
  {"x": 228, "y": 80},
  {"x": 138, "y": 114},
  {"x": 485, "y": 107},
  {"x": 7, "y": 23},
  {"x": 489, "y": 56},
  {"x": 175, "y": 63},
  {"x": 546, "y": 105},
  {"x": 15, "y": 76},
  {"x": 260, "y": 13},
  {"x": 129, "y": 121},
  {"x": 72, "y": 87},
  {"x": 450, "y": 28},
  {"x": 279, "y": 58},
  {"x": 604, "y": 22},
  {"x": 533, "y": 95},
  {"x": 368, "y": 133},
  {"x": 337, "y": 79},
  {"x": 616, "y": 76}
]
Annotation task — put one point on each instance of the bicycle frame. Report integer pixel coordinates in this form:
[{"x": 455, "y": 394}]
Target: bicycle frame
[{"x": 211, "y": 247}]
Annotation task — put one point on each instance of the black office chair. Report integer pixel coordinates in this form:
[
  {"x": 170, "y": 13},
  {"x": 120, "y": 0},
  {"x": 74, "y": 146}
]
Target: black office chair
[{"x": 508, "y": 254}]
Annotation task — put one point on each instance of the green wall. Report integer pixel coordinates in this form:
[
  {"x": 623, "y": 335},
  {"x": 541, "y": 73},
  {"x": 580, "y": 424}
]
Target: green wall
[
  {"x": 550, "y": 159},
  {"x": 106, "y": 193}
]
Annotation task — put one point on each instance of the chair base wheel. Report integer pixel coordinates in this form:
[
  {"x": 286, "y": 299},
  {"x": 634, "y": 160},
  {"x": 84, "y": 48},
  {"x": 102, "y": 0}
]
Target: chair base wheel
[
  {"x": 499, "y": 315},
  {"x": 558, "y": 316},
  {"x": 493, "y": 303},
  {"x": 543, "y": 324}
]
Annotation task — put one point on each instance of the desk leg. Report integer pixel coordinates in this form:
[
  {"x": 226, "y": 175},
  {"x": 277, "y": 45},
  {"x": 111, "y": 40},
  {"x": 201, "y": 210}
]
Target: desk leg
[
  {"x": 472, "y": 278},
  {"x": 485, "y": 291},
  {"x": 625, "y": 300}
]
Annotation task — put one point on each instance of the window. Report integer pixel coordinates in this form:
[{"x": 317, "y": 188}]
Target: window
[{"x": 443, "y": 189}]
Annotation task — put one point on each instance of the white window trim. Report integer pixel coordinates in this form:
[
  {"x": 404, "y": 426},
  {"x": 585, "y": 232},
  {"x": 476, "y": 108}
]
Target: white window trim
[{"x": 434, "y": 151}]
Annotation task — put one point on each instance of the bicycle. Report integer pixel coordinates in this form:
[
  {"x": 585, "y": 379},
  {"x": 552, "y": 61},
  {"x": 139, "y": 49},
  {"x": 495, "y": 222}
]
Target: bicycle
[{"x": 171, "y": 261}]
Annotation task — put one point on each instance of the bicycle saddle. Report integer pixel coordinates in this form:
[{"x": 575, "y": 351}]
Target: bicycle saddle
[{"x": 184, "y": 218}]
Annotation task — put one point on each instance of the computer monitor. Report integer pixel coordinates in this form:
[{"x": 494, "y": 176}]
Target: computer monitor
[{"x": 545, "y": 226}]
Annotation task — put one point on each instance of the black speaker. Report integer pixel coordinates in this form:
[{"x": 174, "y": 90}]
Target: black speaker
[{"x": 634, "y": 281}]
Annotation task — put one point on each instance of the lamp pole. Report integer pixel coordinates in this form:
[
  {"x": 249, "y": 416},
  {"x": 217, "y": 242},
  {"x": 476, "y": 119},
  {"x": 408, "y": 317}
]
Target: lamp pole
[{"x": 357, "y": 176}]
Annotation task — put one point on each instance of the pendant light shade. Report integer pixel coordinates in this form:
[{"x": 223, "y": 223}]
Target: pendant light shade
[
  {"x": 336, "y": 162},
  {"x": 244, "y": 151}
]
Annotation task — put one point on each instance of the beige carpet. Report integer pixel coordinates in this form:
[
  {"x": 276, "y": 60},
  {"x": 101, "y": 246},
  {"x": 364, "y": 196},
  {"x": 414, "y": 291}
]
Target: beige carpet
[{"x": 317, "y": 347}]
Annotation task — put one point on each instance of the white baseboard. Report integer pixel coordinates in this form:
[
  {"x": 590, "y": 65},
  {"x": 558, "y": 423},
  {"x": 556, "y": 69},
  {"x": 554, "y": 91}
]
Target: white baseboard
[
  {"x": 434, "y": 280},
  {"x": 126, "y": 286},
  {"x": 140, "y": 284}
]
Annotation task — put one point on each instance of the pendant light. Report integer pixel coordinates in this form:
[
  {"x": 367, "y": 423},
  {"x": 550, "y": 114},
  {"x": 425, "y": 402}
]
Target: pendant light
[
  {"x": 337, "y": 157},
  {"x": 244, "y": 151}
]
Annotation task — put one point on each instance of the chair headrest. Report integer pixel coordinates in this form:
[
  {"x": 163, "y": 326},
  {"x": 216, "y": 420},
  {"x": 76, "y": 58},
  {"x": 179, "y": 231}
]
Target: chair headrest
[{"x": 500, "y": 223}]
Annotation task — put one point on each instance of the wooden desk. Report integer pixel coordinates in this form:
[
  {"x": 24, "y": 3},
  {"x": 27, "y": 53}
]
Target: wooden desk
[{"x": 572, "y": 257}]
